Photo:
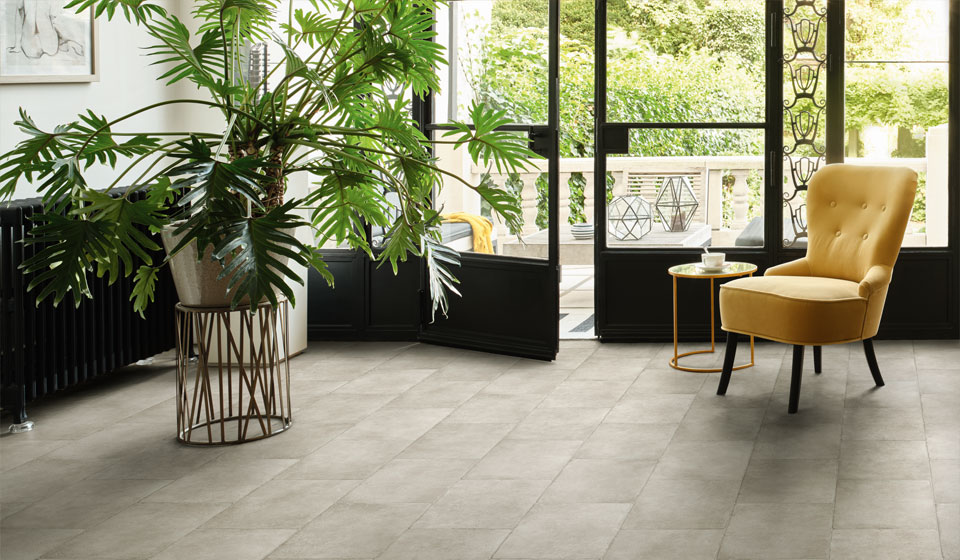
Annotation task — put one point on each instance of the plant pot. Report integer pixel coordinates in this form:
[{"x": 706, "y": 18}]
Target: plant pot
[
  {"x": 196, "y": 280},
  {"x": 582, "y": 231}
]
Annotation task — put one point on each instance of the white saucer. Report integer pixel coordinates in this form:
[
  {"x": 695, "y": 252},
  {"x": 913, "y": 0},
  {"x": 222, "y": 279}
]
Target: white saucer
[{"x": 704, "y": 268}]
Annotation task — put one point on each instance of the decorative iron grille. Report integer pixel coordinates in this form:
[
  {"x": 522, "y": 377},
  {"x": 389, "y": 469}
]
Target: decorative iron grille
[{"x": 804, "y": 102}]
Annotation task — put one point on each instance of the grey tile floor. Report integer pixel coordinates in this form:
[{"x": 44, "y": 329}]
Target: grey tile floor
[{"x": 416, "y": 451}]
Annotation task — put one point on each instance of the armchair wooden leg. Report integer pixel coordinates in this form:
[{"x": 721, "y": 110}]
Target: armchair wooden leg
[
  {"x": 817, "y": 359},
  {"x": 795, "y": 379},
  {"x": 872, "y": 361},
  {"x": 728, "y": 356}
]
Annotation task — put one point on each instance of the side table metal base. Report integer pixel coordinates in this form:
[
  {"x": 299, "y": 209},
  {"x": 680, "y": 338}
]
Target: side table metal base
[
  {"x": 237, "y": 388},
  {"x": 675, "y": 365},
  {"x": 732, "y": 270}
]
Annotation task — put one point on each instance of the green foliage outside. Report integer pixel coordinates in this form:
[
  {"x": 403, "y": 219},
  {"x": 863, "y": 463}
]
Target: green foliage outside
[
  {"x": 650, "y": 78},
  {"x": 920, "y": 203},
  {"x": 916, "y": 96},
  {"x": 754, "y": 192},
  {"x": 696, "y": 60},
  {"x": 543, "y": 201}
]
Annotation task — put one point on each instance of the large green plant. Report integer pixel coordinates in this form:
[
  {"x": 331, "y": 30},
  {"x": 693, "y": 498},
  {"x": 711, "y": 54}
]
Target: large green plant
[{"x": 324, "y": 113}]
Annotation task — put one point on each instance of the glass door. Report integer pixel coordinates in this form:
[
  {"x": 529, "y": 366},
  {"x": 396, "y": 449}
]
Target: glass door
[
  {"x": 508, "y": 280},
  {"x": 713, "y": 116},
  {"x": 687, "y": 136}
]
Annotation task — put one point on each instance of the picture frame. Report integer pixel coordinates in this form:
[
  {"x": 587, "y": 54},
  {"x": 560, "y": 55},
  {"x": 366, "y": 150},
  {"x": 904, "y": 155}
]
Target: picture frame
[{"x": 41, "y": 42}]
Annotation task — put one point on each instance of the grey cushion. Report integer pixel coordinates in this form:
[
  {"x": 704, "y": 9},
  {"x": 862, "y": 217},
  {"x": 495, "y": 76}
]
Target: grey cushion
[
  {"x": 449, "y": 232},
  {"x": 752, "y": 235},
  {"x": 455, "y": 230}
]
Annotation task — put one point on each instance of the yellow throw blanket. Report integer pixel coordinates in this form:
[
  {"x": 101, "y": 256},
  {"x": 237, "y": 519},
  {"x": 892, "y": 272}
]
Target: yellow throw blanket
[{"x": 482, "y": 229}]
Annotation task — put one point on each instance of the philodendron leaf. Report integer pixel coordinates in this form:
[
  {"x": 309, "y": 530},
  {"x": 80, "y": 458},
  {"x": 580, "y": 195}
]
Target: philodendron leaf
[
  {"x": 504, "y": 202},
  {"x": 33, "y": 156},
  {"x": 442, "y": 282},
  {"x": 127, "y": 220},
  {"x": 257, "y": 251},
  {"x": 144, "y": 286},
  {"x": 488, "y": 144},
  {"x": 68, "y": 249},
  {"x": 133, "y": 10}
]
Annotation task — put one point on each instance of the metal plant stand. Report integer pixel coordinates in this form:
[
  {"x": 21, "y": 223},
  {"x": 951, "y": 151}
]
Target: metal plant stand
[{"x": 237, "y": 388}]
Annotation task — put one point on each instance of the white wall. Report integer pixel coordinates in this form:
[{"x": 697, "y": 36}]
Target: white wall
[{"x": 127, "y": 82}]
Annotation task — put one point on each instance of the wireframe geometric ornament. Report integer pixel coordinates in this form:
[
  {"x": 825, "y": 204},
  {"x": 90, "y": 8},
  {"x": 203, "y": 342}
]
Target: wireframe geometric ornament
[
  {"x": 676, "y": 203},
  {"x": 629, "y": 217}
]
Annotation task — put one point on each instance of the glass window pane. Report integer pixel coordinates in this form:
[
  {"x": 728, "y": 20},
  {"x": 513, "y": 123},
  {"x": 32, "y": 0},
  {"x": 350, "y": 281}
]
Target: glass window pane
[
  {"x": 898, "y": 114},
  {"x": 685, "y": 61},
  {"x": 687, "y": 188},
  {"x": 897, "y": 101},
  {"x": 897, "y": 30},
  {"x": 470, "y": 226},
  {"x": 497, "y": 54}
]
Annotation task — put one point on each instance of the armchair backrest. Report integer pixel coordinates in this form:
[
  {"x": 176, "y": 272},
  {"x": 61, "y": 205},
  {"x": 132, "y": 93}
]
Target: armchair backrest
[{"x": 856, "y": 218}]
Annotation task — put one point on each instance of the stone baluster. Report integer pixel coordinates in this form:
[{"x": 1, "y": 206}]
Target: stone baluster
[
  {"x": 715, "y": 198},
  {"x": 620, "y": 183},
  {"x": 741, "y": 198},
  {"x": 588, "y": 199},
  {"x": 564, "y": 199},
  {"x": 529, "y": 201}
]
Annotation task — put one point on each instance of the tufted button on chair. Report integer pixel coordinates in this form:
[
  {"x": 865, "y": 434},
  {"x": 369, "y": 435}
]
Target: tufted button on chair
[{"x": 856, "y": 218}]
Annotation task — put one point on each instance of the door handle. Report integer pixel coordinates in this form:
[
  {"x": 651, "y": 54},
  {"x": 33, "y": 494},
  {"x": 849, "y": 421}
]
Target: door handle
[
  {"x": 541, "y": 138},
  {"x": 614, "y": 139}
]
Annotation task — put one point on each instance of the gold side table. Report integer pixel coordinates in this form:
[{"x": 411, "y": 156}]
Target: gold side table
[
  {"x": 238, "y": 387},
  {"x": 694, "y": 270}
]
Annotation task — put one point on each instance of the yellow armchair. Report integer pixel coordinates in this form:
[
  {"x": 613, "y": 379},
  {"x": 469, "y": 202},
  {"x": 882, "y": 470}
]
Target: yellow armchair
[{"x": 856, "y": 219}]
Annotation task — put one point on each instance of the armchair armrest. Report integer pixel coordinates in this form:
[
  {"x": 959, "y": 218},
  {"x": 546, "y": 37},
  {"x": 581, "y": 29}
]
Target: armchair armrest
[
  {"x": 799, "y": 267},
  {"x": 877, "y": 278}
]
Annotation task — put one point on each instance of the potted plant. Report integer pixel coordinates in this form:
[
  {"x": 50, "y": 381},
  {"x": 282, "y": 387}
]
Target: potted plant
[{"x": 220, "y": 196}]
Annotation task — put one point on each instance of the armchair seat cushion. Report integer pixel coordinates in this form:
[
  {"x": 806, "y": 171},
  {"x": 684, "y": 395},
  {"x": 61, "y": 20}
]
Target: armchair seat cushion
[{"x": 806, "y": 310}]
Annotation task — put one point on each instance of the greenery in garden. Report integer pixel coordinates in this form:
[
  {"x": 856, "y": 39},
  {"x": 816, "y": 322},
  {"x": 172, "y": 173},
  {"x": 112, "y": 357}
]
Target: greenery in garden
[
  {"x": 652, "y": 75},
  {"x": 911, "y": 97},
  {"x": 695, "y": 60},
  {"x": 646, "y": 81}
]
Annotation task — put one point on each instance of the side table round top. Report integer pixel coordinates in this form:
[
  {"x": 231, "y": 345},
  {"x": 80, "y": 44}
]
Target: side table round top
[{"x": 696, "y": 270}]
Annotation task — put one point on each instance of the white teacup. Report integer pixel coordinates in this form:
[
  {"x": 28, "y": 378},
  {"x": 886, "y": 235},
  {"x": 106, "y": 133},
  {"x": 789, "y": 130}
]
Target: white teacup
[{"x": 712, "y": 260}]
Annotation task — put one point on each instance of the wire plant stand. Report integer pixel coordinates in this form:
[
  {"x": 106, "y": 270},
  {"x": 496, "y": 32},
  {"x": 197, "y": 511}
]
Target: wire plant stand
[{"x": 237, "y": 389}]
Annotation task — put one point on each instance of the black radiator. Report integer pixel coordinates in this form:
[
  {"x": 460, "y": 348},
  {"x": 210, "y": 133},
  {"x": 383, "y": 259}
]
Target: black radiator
[{"x": 45, "y": 348}]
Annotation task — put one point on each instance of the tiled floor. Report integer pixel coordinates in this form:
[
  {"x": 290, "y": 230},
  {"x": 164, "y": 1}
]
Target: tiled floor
[
  {"x": 576, "y": 302},
  {"x": 415, "y": 451}
]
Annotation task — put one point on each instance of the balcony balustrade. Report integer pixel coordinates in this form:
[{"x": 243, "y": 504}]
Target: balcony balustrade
[{"x": 727, "y": 211}]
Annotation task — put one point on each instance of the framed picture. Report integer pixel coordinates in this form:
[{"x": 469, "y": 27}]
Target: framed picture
[{"x": 41, "y": 42}]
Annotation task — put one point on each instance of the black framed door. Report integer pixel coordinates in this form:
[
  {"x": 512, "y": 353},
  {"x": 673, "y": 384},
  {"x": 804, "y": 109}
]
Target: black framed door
[
  {"x": 683, "y": 159},
  {"x": 751, "y": 206},
  {"x": 509, "y": 304}
]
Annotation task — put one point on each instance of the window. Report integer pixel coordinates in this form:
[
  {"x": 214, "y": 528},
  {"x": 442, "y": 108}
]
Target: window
[
  {"x": 674, "y": 70},
  {"x": 897, "y": 100}
]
